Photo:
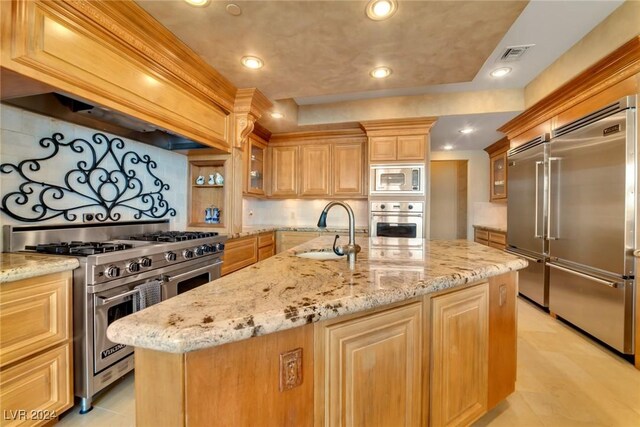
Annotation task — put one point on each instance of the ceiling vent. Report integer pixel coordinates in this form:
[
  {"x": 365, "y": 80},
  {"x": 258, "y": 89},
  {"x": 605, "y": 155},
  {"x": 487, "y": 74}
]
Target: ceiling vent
[{"x": 514, "y": 53}]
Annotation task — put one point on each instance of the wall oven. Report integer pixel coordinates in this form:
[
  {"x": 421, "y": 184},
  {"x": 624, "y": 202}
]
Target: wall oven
[
  {"x": 397, "y": 219},
  {"x": 397, "y": 179}
]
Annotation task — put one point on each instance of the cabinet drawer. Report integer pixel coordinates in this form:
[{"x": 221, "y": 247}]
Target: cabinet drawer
[
  {"x": 40, "y": 386},
  {"x": 498, "y": 238},
  {"x": 35, "y": 314},
  {"x": 265, "y": 239},
  {"x": 497, "y": 245},
  {"x": 266, "y": 252},
  {"x": 239, "y": 253},
  {"x": 482, "y": 235}
]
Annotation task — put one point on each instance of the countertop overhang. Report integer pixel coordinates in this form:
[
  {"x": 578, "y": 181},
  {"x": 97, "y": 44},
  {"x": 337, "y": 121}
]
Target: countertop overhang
[
  {"x": 24, "y": 265},
  {"x": 286, "y": 291}
]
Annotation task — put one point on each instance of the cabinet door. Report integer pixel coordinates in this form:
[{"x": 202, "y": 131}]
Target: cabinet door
[
  {"x": 503, "y": 337},
  {"x": 382, "y": 148},
  {"x": 348, "y": 170},
  {"x": 370, "y": 369},
  {"x": 314, "y": 170},
  {"x": 412, "y": 147},
  {"x": 256, "y": 162},
  {"x": 239, "y": 253},
  {"x": 498, "y": 177},
  {"x": 459, "y": 351},
  {"x": 284, "y": 171}
]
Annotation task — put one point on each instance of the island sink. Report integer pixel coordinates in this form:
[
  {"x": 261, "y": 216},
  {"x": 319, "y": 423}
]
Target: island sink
[{"x": 319, "y": 254}]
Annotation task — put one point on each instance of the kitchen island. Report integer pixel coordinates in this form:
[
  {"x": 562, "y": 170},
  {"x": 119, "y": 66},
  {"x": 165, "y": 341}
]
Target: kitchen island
[{"x": 410, "y": 336}]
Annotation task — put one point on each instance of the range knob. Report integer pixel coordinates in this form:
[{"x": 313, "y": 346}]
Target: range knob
[
  {"x": 383, "y": 206},
  {"x": 220, "y": 247},
  {"x": 187, "y": 254},
  {"x": 145, "y": 262},
  {"x": 199, "y": 250},
  {"x": 208, "y": 248},
  {"x": 112, "y": 271},
  {"x": 410, "y": 206},
  {"x": 170, "y": 256},
  {"x": 133, "y": 267}
]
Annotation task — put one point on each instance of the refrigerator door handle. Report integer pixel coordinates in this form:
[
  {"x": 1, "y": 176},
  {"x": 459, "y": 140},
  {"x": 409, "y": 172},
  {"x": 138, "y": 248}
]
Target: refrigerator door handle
[
  {"x": 528, "y": 258},
  {"x": 549, "y": 205},
  {"x": 585, "y": 276},
  {"x": 536, "y": 233}
]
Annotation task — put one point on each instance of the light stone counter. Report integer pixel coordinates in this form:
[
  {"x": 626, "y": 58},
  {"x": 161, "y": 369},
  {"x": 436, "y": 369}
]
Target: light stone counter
[
  {"x": 286, "y": 291},
  {"x": 257, "y": 229},
  {"x": 18, "y": 266}
]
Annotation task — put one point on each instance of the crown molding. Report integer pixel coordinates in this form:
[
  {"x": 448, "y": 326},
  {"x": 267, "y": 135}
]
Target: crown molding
[{"x": 393, "y": 127}]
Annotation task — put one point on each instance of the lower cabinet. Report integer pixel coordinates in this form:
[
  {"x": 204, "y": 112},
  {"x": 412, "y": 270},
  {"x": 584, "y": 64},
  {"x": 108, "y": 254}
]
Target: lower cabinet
[
  {"x": 369, "y": 369},
  {"x": 36, "y": 353},
  {"x": 495, "y": 239},
  {"x": 245, "y": 251},
  {"x": 459, "y": 351}
]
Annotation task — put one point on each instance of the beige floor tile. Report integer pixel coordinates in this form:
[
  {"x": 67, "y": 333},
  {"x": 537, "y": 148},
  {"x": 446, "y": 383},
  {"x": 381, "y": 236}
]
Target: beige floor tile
[
  {"x": 120, "y": 398},
  {"x": 98, "y": 417}
]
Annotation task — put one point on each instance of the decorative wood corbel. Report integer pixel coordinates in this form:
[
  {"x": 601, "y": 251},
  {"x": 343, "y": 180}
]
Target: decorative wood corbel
[{"x": 249, "y": 106}]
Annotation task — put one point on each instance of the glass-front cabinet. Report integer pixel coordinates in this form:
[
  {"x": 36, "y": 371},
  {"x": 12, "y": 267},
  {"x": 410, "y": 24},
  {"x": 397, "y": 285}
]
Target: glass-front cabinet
[
  {"x": 257, "y": 155},
  {"x": 498, "y": 170}
]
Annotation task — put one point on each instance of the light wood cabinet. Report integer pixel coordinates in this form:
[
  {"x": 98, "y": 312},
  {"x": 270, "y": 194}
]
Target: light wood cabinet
[
  {"x": 315, "y": 169},
  {"x": 412, "y": 147},
  {"x": 208, "y": 196},
  {"x": 36, "y": 355},
  {"x": 495, "y": 239},
  {"x": 284, "y": 164},
  {"x": 239, "y": 253},
  {"x": 348, "y": 170},
  {"x": 498, "y": 170},
  {"x": 503, "y": 337},
  {"x": 397, "y": 148},
  {"x": 256, "y": 166},
  {"x": 266, "y": 245},
  {"x": 116, "y": 55},
  {"x": 369, "y": 369},
  {"x": 383, "y": 148},
  {"x": 459, "y": 346}
]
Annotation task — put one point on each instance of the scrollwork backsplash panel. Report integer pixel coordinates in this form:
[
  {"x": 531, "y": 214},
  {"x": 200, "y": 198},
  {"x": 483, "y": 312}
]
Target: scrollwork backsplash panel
[{"x": 53, "y": 172}]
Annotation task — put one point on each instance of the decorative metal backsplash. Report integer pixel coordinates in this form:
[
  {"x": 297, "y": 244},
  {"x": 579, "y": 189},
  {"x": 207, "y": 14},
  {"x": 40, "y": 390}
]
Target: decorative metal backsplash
[{"x": 106, "y": 178}]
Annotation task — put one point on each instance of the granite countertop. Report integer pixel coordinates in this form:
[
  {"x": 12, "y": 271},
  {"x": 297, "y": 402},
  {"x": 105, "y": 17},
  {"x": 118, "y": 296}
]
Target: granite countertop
[
  {"x": 18, "y": 266},
  {"x": 491, "y": 228},
  {"x": 257, "y": 229},
  {"x": 286, "y": 291}
]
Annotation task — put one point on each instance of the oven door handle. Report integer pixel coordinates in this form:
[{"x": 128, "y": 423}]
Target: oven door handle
[
  {"x": 169, "y": 278},
  {"x": 104, "y": 301}
]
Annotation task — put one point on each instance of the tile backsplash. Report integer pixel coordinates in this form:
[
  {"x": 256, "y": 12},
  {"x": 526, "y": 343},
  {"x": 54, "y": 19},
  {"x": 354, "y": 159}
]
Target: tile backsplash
[
  {"x": 490, "y": 214},
  {"x": 21, "y": 132},
  {"x": 298, "y": 212}
]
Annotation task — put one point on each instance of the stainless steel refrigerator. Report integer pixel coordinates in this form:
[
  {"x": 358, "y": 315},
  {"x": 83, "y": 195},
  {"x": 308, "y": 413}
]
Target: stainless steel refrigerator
[
  {"x": 591, "y": 222},
  {"x": 527, "y": 214}
]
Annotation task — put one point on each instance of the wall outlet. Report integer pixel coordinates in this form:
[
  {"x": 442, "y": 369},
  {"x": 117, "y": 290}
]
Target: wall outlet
[{"x": 88, "y": 217}]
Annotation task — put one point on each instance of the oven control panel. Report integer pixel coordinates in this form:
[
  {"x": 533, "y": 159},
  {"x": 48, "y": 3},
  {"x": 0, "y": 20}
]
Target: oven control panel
[{"x": 397, "y": 207}]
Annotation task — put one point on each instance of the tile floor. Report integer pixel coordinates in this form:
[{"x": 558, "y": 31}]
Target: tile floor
[{"x": 564, "y": 379}]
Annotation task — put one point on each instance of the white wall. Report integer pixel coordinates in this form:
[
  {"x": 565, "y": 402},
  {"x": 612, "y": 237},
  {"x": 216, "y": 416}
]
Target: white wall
[
  {"x": 477, "y": 178},
  {"x": 298, "y": 212},
  {"x": 20, "y": 134}
]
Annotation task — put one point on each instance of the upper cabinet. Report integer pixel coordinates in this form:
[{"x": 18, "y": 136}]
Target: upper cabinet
[
  {"x": 256, "y": 166},
  {"x": 398, "y": 140},
  {"x": 327, "y": 164},
  {"x": 498, "y": 170},
  {"x": 117, "y": 56}
]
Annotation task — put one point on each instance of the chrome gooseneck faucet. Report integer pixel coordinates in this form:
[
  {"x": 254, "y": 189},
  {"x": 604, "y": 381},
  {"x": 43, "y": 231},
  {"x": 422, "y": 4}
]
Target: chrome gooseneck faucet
[{"x": 351, "y": 250}]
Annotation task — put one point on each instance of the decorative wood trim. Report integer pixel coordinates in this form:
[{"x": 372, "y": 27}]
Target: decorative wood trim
[
  {"x": 396, "y": 127},
  {"x": 249, "y": 106},
  {"x": 145, "y": 37},
  {"x": 262, "y": 132},
  {"x": 498, "y": 146},
  {"x": 350, "y": 134},
  {"x": 622, "y": 63}
]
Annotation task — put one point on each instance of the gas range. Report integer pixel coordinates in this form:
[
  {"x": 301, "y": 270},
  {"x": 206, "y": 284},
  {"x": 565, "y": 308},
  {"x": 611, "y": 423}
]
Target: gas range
[{"x": 119, "y": 263}]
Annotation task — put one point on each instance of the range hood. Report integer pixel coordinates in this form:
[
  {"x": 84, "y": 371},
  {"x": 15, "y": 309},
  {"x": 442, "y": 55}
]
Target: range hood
[{"x": 72, "y": 110}]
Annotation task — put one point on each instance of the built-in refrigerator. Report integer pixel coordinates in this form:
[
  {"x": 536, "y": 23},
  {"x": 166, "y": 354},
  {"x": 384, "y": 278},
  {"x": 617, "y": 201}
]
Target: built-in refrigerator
[
  {"x": 591, "y": 222},
  {"x": 526, "y": 215},
  {"x": 572, "y": 214}
]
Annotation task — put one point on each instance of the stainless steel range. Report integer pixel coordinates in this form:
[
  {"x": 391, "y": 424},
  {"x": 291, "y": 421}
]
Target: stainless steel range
[{"x": 124, "y": 267}]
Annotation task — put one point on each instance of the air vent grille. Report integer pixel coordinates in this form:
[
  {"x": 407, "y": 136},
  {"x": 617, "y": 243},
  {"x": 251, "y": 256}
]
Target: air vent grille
[{"x": 514, "y": 53}]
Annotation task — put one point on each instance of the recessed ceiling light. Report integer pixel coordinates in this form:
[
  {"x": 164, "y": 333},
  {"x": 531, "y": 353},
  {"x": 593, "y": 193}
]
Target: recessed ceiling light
[
  {"x": 447, "y": 147},
  {"x": 199, "y": 3},
  {"x": 252, "y": 62},
  {"x": 381, "y": 9},
  {"x": 500, "y": 72},
  {"x": 233, "y": 9},
  {"x": 277, "y": 115},
  {"x": 380, "y": 72},
  {"x": 466, "y": 130}
]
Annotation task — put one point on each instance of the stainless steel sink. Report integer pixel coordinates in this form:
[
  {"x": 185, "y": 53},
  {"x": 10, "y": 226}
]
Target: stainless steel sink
[{"x": 319, "y": 254}]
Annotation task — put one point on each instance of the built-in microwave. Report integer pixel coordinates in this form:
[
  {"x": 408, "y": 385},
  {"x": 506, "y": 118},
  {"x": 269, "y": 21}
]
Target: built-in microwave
[{"x": 397, "y": 179}]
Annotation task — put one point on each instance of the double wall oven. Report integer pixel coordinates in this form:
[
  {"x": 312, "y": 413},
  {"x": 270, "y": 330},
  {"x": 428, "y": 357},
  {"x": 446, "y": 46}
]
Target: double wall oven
[
  {"x": 118, "y": 262},
  {"x": 398, "y": 219}
]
